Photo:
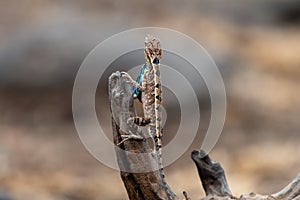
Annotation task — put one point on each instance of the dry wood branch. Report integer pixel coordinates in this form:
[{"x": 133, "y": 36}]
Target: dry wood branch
[
  {"x": 214, "y": 182},
  {"x": 211, "y": 174},
  {"x": 137, "y": 155},
  {"x": 139, "y": 168},
  {"x": 291, "y": 191}
]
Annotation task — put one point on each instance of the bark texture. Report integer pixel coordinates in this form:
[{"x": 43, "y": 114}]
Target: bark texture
[
  {"x": 139, "y": 168},
  {"x": 138, "y": 164}
]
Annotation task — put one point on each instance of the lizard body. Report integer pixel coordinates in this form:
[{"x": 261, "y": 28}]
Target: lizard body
[{"x": 149, "y": 87}]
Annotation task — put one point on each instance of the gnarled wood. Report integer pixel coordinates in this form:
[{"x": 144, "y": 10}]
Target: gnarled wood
[
  {"x": 136, "y": 155},
  {"x": 215, "y": 185},
  {"x": 211, "y": 174},
  {"x": 291, "y": 191}
]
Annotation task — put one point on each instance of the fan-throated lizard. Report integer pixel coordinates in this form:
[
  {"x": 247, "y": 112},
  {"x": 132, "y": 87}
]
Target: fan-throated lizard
[{"x": 147, "y": 89}]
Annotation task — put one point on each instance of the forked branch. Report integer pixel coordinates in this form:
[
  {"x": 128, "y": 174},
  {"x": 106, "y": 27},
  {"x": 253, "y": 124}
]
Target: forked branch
[{"x": 139, "y": 168}]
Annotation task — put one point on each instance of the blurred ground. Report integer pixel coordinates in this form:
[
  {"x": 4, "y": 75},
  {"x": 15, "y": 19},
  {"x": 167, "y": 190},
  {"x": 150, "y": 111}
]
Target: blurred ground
[{"x": 254, "y": 43}]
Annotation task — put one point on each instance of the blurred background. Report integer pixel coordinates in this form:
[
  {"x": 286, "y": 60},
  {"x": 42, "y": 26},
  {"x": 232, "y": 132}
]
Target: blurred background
[{"x": 256, "y": 45}]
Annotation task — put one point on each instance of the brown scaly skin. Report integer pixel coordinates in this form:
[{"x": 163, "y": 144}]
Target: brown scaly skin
[{"x": 151, "y": 99}]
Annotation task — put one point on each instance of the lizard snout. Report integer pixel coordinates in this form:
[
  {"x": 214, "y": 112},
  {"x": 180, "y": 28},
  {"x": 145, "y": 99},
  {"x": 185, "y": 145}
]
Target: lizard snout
[{"x": 156, "y": 60}]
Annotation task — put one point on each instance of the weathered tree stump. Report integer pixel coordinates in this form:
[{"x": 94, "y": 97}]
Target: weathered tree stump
[
  {"x": 139, "y": 169},
  {"x": 137, "y": 155},
  {"x": 211, "y": 174}
]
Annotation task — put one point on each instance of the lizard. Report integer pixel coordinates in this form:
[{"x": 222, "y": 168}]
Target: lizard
[{"x": 148, "y": 90}]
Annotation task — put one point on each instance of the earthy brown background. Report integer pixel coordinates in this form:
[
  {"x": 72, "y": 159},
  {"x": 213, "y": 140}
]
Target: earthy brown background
[{"x": 256, "y": 45}]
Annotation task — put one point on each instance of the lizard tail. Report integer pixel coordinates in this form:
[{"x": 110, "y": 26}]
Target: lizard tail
[{"x": 158, "y": 131}]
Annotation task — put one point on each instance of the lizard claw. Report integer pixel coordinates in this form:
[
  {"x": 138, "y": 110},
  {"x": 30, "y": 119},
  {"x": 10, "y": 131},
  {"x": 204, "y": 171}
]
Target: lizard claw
[
  {"x": 131, "y": 136},
  {"x": 125, "y": 74}
]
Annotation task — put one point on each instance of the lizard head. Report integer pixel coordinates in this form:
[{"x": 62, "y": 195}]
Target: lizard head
[{"x": 152, "y": 49}]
